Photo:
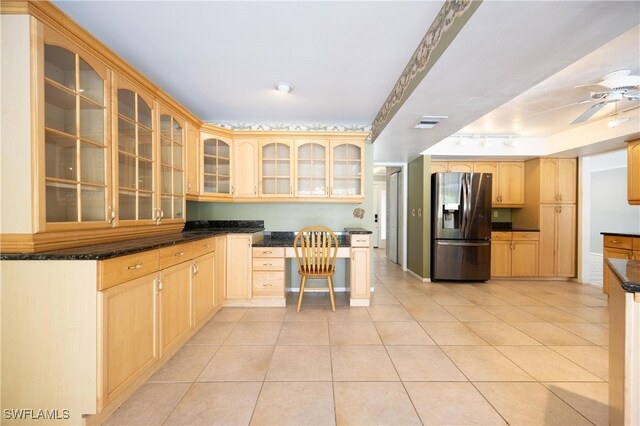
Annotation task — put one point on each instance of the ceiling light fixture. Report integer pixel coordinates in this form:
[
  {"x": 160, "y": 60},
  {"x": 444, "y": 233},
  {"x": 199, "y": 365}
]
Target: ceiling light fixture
[
  {"x": 430, "y": 121},
  {"x": 284, "y": 87},
  {"x": 617, "y": 121}
]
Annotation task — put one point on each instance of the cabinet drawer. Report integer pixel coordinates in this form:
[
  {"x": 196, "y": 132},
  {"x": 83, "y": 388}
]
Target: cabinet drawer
[
  {"x": 268, "y": 252},
  {"x": 173, "y": 255},
  {"x": 268, "y": 284},
  {"x": 204, "y": 246},
  {"x": 126, "y": 268},
  {"x": 268, "y": 264},
  {"x": 526, "y": 236},
  {"x": 501, "y": 236},
  {"x": 360, "y": 240},
  {"x": 615, "y": 241}
]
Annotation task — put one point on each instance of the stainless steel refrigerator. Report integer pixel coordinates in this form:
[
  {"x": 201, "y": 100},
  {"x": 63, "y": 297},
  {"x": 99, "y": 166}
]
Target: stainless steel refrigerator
[{"x": 461, "y": 226}]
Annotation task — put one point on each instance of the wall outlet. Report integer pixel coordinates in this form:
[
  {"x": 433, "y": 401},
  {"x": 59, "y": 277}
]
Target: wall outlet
[{"x": 495, "y": 213}]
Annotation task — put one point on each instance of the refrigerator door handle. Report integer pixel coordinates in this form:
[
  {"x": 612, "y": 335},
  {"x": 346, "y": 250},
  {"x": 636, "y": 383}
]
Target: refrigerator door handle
[
  {"x": 465, "y": 244},
  {"x": 463, "y": 210}
]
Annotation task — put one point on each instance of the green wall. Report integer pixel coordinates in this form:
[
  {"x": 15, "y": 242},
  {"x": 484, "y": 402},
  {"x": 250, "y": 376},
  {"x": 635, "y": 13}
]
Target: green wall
[
  {"x": 294, "y": 216},
  {"x": 419, "y": 225}
]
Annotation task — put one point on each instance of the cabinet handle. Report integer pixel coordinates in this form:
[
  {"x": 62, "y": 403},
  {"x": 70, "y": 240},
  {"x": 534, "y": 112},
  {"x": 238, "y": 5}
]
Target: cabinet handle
[
  {"x": 233, "y": 190},
  {"x": 615, "y": 242},
  {"x": 267, "y": 285},
  {"x": 559, "y": 209},
  {"x": 132, "y": 267},
  {"x": 188, "y": 186},
  {"x": 255, "y": 190},
  {"x": 291, "y": 190},
  {"x": 179, "y": 254},
  {"x": 158, "y": 283},
  {"x": 112, "y": 217},
  {"x": 267, "y": 264},
  {"x": 266, "y": 252}
]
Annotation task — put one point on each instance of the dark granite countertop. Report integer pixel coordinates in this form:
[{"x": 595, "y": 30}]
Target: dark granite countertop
[
  {"x": 285, "y": 239},
  {"x": 619, "y": 234},
  {"x": 192, "y": 232},
  {"x": 628, "y": 272},
  {"x": 357, "y": 231}
]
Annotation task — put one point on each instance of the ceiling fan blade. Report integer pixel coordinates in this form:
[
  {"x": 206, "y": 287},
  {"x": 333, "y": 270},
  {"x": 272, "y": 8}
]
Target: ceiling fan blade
[
  {"x": 588, "y": 113},
  {"x": 593, "y": 87}
]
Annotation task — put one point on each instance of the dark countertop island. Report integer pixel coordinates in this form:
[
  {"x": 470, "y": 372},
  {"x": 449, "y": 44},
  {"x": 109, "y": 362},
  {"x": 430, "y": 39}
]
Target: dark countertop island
[{"x": 628, "y": 272}]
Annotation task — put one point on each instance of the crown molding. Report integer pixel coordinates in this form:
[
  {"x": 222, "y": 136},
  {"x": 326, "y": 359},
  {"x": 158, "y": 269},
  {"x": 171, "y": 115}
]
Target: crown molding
[
  {"x": 292, "y": 127},
  {"x": 447, "y": 24}
]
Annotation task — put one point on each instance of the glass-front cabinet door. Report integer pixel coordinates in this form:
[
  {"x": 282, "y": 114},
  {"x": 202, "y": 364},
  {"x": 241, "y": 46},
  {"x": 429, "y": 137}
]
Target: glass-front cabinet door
[
  {"x": 312, "y": 168},
  {"x": 172, "y": 136},
  {"x": 347, "y": 160},
  {"x": 75, "y": 150},
  {"x": 216, "y": 165},
  {"x": 276, "y": 168},
  {"x": 135, "y": 155}
]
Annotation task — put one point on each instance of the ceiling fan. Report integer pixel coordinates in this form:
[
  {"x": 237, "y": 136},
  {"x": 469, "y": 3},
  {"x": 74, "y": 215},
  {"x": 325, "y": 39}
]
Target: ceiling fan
[{"x": 613, "y": 87}]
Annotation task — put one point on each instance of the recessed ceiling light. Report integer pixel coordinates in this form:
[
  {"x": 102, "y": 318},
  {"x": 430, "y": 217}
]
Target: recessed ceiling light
[
  {"x": 284, "y": 87},
  {"x": 430, "y": 121}
]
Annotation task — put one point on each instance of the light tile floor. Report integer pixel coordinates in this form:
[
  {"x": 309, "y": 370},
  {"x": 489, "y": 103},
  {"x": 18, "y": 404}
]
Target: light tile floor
[{"x": 501, "y": 352}]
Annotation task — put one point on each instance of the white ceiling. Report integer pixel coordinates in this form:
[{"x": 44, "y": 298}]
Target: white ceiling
[
  {"x": 512, "y": 60},
  {"x": 221, "y": 59}
]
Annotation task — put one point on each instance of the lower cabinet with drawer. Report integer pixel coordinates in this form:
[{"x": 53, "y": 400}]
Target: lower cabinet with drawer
[
  {"x": 514, "y": 254},
  {"x": 618, "y": 247},
  {"x": 268, "y": 273},
  {"x": 106, "y": 326},
  {"x": 359, "y": 269}
]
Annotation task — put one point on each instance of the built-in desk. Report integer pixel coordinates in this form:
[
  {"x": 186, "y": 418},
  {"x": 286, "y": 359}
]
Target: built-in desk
[{"x": 272, "y": 254}]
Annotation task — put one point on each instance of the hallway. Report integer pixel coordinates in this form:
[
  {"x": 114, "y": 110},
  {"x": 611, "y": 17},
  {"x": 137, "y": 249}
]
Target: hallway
[{"x": 501, "y": 352}]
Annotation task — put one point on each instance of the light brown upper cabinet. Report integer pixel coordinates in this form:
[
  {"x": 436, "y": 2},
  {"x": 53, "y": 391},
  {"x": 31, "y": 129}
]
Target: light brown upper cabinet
[
  {"x": 510, "y": 187},
  {"x": 135, "y": 155},
  {"x": 633, "y": 172},
  {"x": 558, "y": 180},
  {"x": 245, "y": 168},
  {"x": 347, "y": 167},
  {"x": 75, "y": 191},
  {"x": 312, "y": 168},
  {"x": 461, "y": 166},
  {"x": 489, "y": 167},
  {"x": 215, "y": 165},
  {"x": 276, "y": 168},
  {"x": 193, "y": 154},
  {"x": 439, "y": 166},
  {"x": 171, "y": 161}
]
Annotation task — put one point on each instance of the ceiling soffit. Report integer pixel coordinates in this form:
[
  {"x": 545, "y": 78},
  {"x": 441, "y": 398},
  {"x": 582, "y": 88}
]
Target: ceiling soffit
[{"x": 447, "y": 24}]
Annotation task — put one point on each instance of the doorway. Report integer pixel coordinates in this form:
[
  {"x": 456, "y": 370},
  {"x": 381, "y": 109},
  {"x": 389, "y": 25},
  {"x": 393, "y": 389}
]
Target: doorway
[{"x": 394, "y": 217}]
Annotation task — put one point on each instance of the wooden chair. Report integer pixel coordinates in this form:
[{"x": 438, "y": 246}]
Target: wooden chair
[{"x": 316, "y": 250}]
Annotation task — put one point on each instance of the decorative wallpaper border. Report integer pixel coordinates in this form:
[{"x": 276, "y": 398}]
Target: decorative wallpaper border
[
  {"x": 425, "y": 55},
  {"x": 294, "y": 127}
]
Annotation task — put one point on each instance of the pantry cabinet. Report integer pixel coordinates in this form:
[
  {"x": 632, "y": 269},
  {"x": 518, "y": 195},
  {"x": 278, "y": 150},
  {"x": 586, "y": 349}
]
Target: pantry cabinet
[
  {"x": 559, "y": 180},
  {"x": 557, "y": 240},
  {"x": 633, "y": 172}
]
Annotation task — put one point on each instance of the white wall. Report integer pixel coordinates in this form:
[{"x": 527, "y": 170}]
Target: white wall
[{"x": 604, "y": 208}]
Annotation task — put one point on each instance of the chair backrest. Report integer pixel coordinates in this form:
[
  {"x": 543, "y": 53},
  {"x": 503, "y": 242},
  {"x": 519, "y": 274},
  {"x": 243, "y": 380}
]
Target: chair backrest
[{"x": 316, "y": 249}]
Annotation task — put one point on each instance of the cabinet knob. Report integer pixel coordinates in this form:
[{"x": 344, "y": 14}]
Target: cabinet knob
[{"x": 179, "y": 254}]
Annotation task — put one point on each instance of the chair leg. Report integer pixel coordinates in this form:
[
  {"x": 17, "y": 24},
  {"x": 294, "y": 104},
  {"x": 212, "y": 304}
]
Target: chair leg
[
  {"x": 301, "y": 292},
  {"x": 333, "y": 302}
]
